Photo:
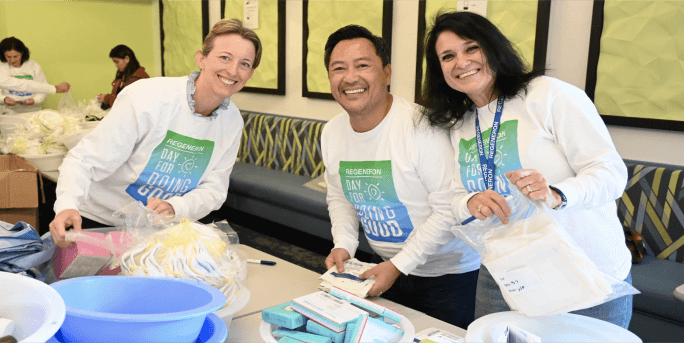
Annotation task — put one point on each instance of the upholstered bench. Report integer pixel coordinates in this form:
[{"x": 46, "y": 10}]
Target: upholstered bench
[
  {"x": 278, "y": 156},
  {"x": 652, "y": 205}
]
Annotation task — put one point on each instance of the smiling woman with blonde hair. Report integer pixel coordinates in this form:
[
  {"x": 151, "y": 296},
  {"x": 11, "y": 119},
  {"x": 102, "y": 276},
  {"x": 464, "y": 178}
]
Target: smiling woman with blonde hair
[{"x": 169, "y": 142}]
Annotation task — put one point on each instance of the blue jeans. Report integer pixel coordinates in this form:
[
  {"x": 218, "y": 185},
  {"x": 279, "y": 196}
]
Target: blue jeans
[
  {"x": 490, "y": 300},
  {"x": 449, "y": 298}
]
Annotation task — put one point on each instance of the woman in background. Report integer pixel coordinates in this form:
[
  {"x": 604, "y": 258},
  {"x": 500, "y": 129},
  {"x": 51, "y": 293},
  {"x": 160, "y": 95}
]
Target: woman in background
[
  {"x": 551, "y": 144},
  {"x": 15, "y": 57},
  {"x": 128, "y": 70}
]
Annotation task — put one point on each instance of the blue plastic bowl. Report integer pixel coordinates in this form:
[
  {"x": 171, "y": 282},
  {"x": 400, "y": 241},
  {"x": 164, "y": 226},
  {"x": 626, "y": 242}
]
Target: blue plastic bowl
[
  {"x": 213, "y": 331},
  {"x": 135, "y": 309}
]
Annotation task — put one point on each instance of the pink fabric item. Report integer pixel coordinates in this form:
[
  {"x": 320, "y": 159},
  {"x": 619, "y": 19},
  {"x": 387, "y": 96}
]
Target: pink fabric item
[{"x": 65, "y": 256}]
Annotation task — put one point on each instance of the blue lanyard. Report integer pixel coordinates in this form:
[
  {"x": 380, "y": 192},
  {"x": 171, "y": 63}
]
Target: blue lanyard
[{"x": 487, "y": 163}]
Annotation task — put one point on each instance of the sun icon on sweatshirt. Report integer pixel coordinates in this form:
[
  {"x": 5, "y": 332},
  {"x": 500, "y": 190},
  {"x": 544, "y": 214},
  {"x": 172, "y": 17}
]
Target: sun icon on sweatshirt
[{"x": 187, "y": 167}]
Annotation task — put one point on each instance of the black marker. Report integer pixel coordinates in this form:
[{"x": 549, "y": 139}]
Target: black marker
[{"x": 268, "y": 263}]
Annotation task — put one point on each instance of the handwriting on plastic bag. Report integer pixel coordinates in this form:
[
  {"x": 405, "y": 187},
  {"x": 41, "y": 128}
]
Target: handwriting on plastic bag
[{"x": 518, "y": 281}]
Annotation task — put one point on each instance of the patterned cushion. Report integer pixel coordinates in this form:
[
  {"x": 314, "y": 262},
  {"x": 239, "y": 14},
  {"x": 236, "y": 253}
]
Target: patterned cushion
[
  {"x": 282, "y": 143},
  {"x": 652, "y": 205}
]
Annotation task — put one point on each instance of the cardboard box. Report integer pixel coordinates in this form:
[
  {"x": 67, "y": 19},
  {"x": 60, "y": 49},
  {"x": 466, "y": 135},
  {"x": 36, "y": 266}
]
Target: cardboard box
[{"x": 19, "y": 189}]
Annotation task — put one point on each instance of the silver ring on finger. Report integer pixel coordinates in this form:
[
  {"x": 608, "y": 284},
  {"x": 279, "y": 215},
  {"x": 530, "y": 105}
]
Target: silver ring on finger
[{"x": 529, "y": 189}]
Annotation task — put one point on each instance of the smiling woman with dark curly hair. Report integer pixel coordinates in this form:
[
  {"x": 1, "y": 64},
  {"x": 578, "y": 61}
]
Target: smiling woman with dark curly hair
[{"x": 514, "y": 127}]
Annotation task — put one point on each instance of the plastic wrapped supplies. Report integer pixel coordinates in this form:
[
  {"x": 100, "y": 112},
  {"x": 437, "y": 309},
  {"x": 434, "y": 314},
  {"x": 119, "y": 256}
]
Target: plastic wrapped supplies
[
  {"x": 50, "y": 131},
  {"x": 540, "y": 270},
  {"x": 173, "y": 247},
  {"x": 40, "y": 134}
]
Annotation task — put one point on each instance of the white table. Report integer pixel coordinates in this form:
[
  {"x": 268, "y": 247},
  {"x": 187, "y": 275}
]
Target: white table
[
  {"x": 273, "y": 285},
  {"x": 51, "y": 175}
]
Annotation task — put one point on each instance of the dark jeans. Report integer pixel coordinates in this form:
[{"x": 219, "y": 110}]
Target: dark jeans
[{"x": 449, "y": 298}]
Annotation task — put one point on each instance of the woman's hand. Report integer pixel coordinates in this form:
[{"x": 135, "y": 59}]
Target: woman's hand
[
  {"x": 62, "y": 87},
  {"x": 61, "y": 222},
  {"x": 533, "y": 185},
  {"x": 160, "y": 206},
  {"x": 29, "y": 102},
  {"x": 487, "y": 204},
  {"x": 100, "y": 98},
  {"x": 10, "y": 102}
]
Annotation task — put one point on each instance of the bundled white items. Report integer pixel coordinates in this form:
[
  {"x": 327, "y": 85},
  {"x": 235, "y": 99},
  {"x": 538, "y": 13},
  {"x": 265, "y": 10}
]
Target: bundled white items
[
  {"x": 349, "y": 279},
  {"x": 367, "y": 329},
  {"x": 187, "y": 250},
  {"x": 43, "y": 132},
  {"x": 434, "y": 335},
  {"x": 40, "y": 133},
  {"x": 327, "y": 310},
  {"x": 537, "y": 265},
  {"x": 367, "y": 304},
  {"x": 177, "y": 247}
]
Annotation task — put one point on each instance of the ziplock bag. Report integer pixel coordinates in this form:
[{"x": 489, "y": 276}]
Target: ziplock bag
[
  {"x": 168, "y": 246},
  {"x": 539, "y": 268}
]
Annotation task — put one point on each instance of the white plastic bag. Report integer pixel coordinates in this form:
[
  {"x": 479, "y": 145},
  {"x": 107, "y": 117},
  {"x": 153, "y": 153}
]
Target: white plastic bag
[{"x": 539, "y": 268}]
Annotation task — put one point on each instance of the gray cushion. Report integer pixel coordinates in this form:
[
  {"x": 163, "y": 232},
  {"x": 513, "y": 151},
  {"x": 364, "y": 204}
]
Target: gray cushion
[
  {"x": 656, "y": 279},
  {"x": 277, "y": 187}
]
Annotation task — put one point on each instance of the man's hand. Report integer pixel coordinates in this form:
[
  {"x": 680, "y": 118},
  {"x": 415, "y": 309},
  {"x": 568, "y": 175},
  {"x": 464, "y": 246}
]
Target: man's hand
[
  {"x": 10, "y": 102},
  {"x": 160, "y": 206},
  {"x": 385, "y": 274},
  {"x": 62, "y": 87},
  {"x": 62, "y": 221},
  {"x": 336, "y": 258},
  {"x": 29, "y": 102}
]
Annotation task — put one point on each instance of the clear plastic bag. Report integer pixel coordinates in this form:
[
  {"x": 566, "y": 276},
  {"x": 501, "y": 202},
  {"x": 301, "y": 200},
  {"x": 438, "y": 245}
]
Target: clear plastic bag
[
  {"x": 167, "y": 246},
  {"x": 539, "y": 268},
  {"x": 67, "y": 102}
]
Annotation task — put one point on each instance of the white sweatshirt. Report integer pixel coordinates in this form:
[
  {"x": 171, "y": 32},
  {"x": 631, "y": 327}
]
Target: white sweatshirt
[
  {"x": 395, "y": 179},
  {"x": 151, "y": 144},
  {"x": 9, "y": 82},
  {"x": 556, "y": 130},
  {"x": 29, "y": 70}
]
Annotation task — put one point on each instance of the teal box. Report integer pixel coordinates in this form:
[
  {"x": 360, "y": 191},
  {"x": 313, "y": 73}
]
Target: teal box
[
  {"x": 286, "y": 339},
  {"x": 302, "y": 336},
  {"x": 347, "y": 336},
  {"x": 283, "y": 315},
  {"x": 318, "y": 329}
]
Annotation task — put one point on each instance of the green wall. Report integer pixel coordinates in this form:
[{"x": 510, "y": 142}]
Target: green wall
[{"x": 71, "y": 40}]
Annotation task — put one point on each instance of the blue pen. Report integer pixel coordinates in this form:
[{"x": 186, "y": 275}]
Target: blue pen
[
  {"x": 467, "y": 221},
  {"x": 268, "y": 263}
]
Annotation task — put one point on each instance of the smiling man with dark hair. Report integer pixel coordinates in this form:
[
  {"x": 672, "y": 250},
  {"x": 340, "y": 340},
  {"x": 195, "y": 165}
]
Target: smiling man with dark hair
[{"x": 390, "y": 171}]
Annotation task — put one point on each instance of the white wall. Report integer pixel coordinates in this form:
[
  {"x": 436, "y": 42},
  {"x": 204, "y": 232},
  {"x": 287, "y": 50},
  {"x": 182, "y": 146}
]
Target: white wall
[{"x": 568, "y": 49}]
